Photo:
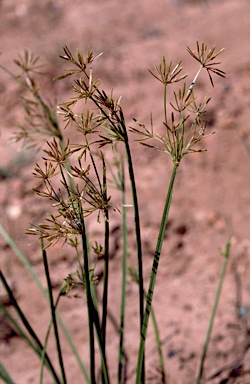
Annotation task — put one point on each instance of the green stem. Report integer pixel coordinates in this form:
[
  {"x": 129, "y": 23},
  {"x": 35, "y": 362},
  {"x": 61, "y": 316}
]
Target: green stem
[
  {"x": 106, "y": 262},
  {"x": 27, "y": 325},
  {"x": 46, "y": 343},
  {"x": 22, "y": 258},
  {"x": 138, "y": 240},
  {"x": 53, "y": 314},
  {"x": 136, "y": 219},
  {"x": 19, "y": 330},
  {"x": 89, "y": 305},
  {"x": 213, "y": 313},
  {"x": 159, "y": 348},
  {"x": 124, "y": 274},
  {"x": 105, "y": 376},
  {"x": 5, "y": 375},
  {"x": 154, "y": 274},
  {"x": 95, "y": 321},
  {"x": 124, "y": 138}
]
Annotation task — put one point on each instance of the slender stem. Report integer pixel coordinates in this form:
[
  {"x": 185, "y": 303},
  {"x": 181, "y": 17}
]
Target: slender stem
[
  {"x": 136, "y": 218},
  {"x": 158, "y": 342},
  {"x": 213, "y": 313},
  {"x": 27, "y": 325},
  {"x": 106, "y": 262},
  {"x": 22, "y": 258},
  {"x": 65, "y": 183},
  {"x": 97, "y": 325},
  {"x": 93, "y": 318},
  {"x": 124, "y": 274},
  {"x": 124, "y": 137},
  {"x": 53, "y": 314},
  {"x": 165, "y": 105},
  {"x": 19, "y": 330},
  {"x": 154, "y": 274},
  {"x": 89, "y": 305},
  {"x": 46, "y": 342},
  {"x": 96, "y": 322},
  {"x": 94, "y": 164},
  {"x": 5, "y": 375},
  {"x": 138, "y": 238},
  {"x": 159, "y": 348},
  {"x": 105, "y": 376}
]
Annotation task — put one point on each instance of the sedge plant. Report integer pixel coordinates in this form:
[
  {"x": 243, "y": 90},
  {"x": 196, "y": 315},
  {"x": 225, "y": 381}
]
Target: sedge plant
[
  {"x": 181, "y": 138},
  {"x": 75, "y": 179}
]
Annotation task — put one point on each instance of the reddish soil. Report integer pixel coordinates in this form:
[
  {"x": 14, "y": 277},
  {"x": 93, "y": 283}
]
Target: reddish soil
[{"x": 211, "y": 197}]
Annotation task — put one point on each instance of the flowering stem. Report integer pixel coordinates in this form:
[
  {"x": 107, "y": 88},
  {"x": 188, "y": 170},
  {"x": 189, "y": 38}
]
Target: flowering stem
[
  {"x": 213, "y": 313},
  {"x": 124, "y": 275},
  {"x": 53, "y": 314},
  {"x": 106, "y": 261},
  {"x": 89, "y": 305},
  {"x": 21, "y": 257},
  {"x": 137, "y": 226},
  {"x": 27, "y": 326},
  {"x": 159, "y": 347},
  {"x": 154, "y": 274}
]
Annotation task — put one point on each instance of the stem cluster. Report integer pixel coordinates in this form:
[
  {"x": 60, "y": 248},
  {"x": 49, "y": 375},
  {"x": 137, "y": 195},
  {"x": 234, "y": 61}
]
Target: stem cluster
[{"x": 75, "y": 179}]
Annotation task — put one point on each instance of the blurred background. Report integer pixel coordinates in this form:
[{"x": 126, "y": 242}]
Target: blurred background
[{"x": 211, "y": 198}]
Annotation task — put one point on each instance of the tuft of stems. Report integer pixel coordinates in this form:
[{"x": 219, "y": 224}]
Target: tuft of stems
[
  {"x": 23, "y": 259},
  {"x": 74, "y": 179},
  {"x": 26, "y": 324},
  {"x": 53, "y": 314},
  {"x": 111, "y": 120},
  {"x": 181, "y": 138}
]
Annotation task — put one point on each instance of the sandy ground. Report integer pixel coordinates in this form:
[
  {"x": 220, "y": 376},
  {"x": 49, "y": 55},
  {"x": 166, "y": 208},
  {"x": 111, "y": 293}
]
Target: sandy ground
[{"x": 211, "y": 196}]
